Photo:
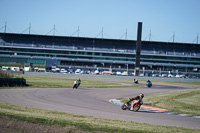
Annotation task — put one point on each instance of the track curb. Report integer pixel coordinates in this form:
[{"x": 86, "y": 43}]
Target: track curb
[{"x": 152, "y": 109}]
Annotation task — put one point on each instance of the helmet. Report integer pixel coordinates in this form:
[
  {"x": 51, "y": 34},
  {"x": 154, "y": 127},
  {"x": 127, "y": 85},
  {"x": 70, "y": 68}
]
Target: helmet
[{"x": 141, "y": 95}]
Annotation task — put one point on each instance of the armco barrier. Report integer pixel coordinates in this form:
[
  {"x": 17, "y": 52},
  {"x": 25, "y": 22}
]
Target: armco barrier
[{"x": 12, "y": 82}]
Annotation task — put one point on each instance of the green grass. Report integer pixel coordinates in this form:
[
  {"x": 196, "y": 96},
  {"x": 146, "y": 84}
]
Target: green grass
[
  {"x": 85, "y": 123},
  {"x": 40, "y": 81},
  {"x": 193, "y": 84},
  {"x": 183, "y": 102},
  {"x": 6, "y": 74}
]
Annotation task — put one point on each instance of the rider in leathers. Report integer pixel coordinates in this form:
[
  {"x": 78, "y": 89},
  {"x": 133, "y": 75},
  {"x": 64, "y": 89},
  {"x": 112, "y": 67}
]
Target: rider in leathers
[
  {"x": 78, "y": 82},
  {"x": 136, "y": 98}
]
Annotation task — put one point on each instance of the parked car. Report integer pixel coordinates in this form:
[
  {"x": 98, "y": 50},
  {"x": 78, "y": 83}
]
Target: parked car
[
  {"x": 96, "y": 72},
  {"x": 155, "y": 75},
  {"x": 55, "y": 70},
  {"x": 163, "y": 75},
  {"x": 4, "y": 68},
  {"x": 125, "y": 73},
  {"x": 170, "y": 75},
  {"x": 63, "y": 71},
  {"x": 118, "y": 73},
  {"x": 107, "y": 72},
  {"x": 180, "y": 76},
  {"x": 142, "y": 75},
  {"x": 78, "y": 71}
]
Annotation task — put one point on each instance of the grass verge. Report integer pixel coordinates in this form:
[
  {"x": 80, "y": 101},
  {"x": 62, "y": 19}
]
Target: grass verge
[
  {"x": 41, "y": 81},
  {"x": 84, "y": 123}
]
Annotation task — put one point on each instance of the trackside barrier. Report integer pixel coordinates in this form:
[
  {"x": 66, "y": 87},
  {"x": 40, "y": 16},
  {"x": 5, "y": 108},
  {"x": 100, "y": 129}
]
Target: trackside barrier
[{"x": 12, "y": 82}]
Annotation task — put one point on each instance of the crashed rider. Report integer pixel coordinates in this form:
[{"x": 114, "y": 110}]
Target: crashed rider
[{"x": 136, "y": 98}]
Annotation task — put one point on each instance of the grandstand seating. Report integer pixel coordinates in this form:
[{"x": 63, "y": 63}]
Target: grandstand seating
[
  {"x": 146, "y": 50},
  {"x": 106, "y": 50}
]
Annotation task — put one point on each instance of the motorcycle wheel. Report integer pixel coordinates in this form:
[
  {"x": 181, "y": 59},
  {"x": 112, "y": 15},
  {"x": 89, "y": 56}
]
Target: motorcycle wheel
[
  {"x": 74, "y": 86},
  {"x": 136, "y": 107},
  {"x": 123, "y": 107}
]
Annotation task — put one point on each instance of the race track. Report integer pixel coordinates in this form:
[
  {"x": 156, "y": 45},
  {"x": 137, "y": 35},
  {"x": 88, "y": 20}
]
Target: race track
[{"x": 95, "y": 102}]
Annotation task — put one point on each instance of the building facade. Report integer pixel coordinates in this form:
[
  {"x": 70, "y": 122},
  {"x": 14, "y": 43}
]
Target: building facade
[{"x": 98, "y": 52}]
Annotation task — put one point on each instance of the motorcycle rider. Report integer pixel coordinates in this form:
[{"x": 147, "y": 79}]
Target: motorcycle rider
[
  {"x": 135, "y": 81},
  {"x": 149, "y": 81},
  {"x": 141, "y": 96},
  {"x": 77, "y": 82}
]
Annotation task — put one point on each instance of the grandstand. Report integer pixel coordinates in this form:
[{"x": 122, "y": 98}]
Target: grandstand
[{"x": 98, "y": 52}]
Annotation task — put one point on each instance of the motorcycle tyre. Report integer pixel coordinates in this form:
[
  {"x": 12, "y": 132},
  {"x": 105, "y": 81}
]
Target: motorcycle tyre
[
  {"x": 135, "y": 106},
  {"x": 77, "y": 86},
  {"x": 123, "y": 107},
  {"x": 74, "y": 86},
  {"x": 149, "y": 86}
]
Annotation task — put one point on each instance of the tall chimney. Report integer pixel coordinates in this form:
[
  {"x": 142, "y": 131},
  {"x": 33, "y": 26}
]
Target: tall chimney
[{"x": 138, "y": 48}]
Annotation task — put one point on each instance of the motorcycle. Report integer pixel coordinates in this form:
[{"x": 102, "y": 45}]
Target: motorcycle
[
  {"x": 132, "y": 105},
  {"x": 149, "y": 84},
  {"x": 76, "y": 84},
  {"x": 136, "y": 81}
]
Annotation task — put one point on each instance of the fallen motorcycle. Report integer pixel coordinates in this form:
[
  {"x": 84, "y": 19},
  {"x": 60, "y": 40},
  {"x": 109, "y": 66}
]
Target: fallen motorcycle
[{"x": 132, "y": 105}]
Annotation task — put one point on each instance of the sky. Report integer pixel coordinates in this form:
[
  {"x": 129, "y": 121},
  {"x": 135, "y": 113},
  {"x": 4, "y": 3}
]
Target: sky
[{"x": 118, "y": 19}]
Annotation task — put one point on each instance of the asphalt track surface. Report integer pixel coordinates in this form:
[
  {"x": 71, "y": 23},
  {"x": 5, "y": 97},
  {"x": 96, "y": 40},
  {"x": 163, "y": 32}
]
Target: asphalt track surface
[{"x": 95, "y": 102}]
